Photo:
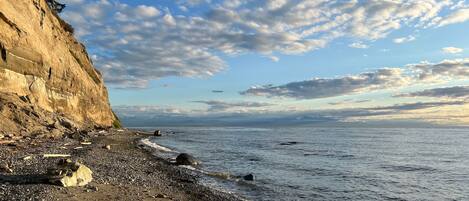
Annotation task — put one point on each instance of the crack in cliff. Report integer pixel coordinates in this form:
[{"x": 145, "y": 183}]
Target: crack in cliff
[
  {"x": 42, "y": 12},
  {"x": 10, "y": 23},
  {"x": 3, "y": 52}
]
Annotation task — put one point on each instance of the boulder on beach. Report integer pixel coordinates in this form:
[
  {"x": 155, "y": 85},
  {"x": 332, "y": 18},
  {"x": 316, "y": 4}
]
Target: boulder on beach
[
  {"x": 186, "y": 159},
  {"x": 68, "y": 174}
]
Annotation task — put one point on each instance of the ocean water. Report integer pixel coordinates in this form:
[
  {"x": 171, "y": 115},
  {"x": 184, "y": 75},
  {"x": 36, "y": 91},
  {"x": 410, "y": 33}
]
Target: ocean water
[{"x": 331, "y": 163}]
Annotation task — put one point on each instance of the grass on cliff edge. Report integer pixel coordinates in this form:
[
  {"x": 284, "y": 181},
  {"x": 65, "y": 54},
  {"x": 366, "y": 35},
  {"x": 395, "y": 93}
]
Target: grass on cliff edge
[{"x": 116, "y": 123}]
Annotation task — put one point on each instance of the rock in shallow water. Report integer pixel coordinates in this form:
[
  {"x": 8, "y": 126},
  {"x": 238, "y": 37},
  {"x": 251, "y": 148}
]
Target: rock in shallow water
[
  {"x": 186, "y": 159},
  {"x": 157, "y": 133},
  {"x": 68, "y": 174},
  {"x": 249, "y": 177},
  {"x": 289, "y": 143}
]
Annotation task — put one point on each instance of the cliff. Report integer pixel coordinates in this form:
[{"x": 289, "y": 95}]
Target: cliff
[{"x": 47, "y": 80}]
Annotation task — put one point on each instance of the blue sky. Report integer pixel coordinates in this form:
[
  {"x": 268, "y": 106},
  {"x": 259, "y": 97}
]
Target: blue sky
[{"x": 282, "y": 57}]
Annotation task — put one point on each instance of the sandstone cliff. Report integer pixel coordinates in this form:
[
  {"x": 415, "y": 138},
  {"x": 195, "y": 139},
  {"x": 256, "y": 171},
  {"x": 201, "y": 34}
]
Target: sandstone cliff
[{"x": 47, "y": 79}]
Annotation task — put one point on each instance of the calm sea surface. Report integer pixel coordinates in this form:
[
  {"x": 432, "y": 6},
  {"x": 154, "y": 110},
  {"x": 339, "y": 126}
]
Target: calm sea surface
[{"x": 333, "y": 163}]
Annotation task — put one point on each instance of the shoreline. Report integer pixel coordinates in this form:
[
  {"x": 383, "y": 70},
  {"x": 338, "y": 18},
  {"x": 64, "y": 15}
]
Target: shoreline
[{"x": 124, "y": 172}]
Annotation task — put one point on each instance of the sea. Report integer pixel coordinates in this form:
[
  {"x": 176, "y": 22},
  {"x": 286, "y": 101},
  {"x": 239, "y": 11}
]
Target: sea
[{"x": 313, "y": 163}]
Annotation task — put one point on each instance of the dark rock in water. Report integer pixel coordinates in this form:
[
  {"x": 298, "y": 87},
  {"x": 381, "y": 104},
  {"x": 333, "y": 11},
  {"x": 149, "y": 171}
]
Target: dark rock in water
[
  {"x": 288, "y": 143},
  {"x": 249, "y": 177},
  {"x": 157, "y": 133},
  {"x": 186, "y": 159}
]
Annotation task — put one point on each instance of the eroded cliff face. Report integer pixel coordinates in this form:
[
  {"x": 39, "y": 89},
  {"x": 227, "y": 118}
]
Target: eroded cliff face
[{"x": 45, "y": 73}]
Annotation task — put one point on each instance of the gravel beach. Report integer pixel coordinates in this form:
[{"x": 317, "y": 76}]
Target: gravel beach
[{"x": 121, "y": 170}]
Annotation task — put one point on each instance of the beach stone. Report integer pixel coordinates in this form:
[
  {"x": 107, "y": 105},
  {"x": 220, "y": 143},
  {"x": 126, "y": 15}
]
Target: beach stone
[
  {"x": 186, "y": 159},
  {"x": 249, "y": 177},
  {"x": 56, "y": 124},
  {"x": 157, "y": 133},
  {"x": 4, "y": 168},
  {"x": 69, "y": 174},
  {"x": 161, "y": 196},
  {"x": 67, "y": 123}
]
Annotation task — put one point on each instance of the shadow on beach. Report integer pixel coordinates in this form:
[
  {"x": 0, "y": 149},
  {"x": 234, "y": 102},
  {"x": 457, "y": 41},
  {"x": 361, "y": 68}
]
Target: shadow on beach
[{"x": 24, "y": 179}]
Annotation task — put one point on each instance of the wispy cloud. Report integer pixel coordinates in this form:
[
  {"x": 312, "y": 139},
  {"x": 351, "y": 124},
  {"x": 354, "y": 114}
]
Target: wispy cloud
[
  {"x": 444, "y": 70},
  {"x": 135, "y": 44},
  {"x": 147, "y": 115},
  {"x": 404, "y": 39},
  {"x": 452, "y": 50},
  {"x": 217, "y": 106},
  {"x": 459, "y": 16},
  {"x": 349, "y": 101},
  {"x": 385, "y": 78},
  {"x": 446, "y": 92},
  {"x": 418, "y": 106},
  {"x": 330, "y": 87},
  {"x": 358, "y": 45}
]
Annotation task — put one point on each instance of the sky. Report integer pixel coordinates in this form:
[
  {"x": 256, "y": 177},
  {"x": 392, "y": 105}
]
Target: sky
[{"x": 294, "y": 61}]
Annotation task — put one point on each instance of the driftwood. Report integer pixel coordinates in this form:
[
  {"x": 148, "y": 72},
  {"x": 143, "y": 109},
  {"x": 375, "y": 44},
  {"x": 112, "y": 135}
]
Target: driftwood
[
  {"x": 6, "y": 142},
  {"x": 56, "y": 155}
]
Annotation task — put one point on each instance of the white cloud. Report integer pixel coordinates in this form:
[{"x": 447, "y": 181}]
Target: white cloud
[
  {"x": 274, "y": 58},
  {"x": 404, "y": 39},
  {"x": 146, "y": 11},
  {"x": 452, "y": 50},
  {"x": 136, "y": 44},
  {"x": 358, "y": 45},
  {"x": 459, "y": 16},
  {"x": 444, "y": 70},
  {"x": 460, "y": 4}
]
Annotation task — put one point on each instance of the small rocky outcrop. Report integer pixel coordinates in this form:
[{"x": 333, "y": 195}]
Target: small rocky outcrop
[
  {"x": 249, "y": 177},
  {"x": 157, "y": 133},
  {"x": 289, "y": 143},
  {"x": 186, "y": 159},
  {"x": 69, "y": 174}
]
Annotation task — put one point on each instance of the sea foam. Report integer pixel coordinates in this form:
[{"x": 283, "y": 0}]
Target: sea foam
[{"x": 148, "y": 143}]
